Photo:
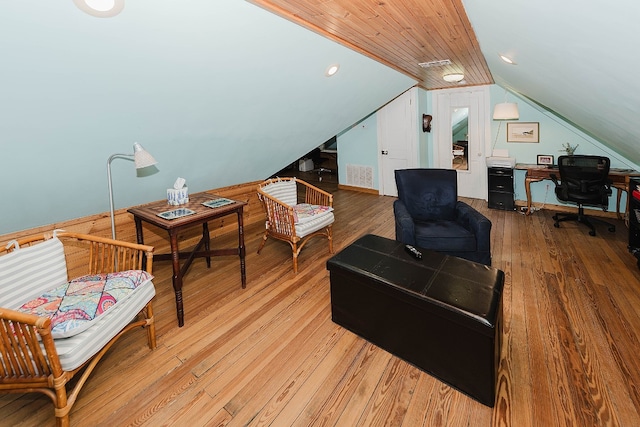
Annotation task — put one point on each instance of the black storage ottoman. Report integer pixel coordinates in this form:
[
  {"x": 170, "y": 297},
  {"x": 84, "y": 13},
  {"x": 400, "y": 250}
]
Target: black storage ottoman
[{"x": 439, "y": 313}]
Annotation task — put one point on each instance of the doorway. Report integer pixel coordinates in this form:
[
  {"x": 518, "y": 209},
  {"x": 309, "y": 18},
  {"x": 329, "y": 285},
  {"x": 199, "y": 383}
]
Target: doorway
[
  {"x": 397, "y": 139},
  {"x": 461, "y": 135}
]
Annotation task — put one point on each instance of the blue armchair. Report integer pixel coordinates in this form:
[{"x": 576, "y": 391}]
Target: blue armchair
[{"x": 429, "y": 215}]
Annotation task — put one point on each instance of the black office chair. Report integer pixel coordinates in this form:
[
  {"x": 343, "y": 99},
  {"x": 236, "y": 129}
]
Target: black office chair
[{"x": 584, "y": 180}]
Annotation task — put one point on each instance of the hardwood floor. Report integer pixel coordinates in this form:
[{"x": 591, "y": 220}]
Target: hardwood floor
[{"x": 270, "y": 355}]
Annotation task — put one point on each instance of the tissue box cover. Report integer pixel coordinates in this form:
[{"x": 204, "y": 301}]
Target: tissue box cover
[{"x": 178, "y": 197}]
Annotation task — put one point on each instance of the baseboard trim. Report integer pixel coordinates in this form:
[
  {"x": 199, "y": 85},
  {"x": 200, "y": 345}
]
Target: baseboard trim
[
  {"x": 568, "y": 209},
  {"x": 359, "y": 189}
]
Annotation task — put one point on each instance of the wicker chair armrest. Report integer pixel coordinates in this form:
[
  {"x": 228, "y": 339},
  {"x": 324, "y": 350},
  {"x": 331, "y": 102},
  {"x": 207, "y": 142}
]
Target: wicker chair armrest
[
  {"x": 107, "y": 255},
  {"x": 21, "y": 347},
  {"x": 316, "y": 196},
  {"x": 26, "y": 318},
  {"x": 280, "y": 217}
]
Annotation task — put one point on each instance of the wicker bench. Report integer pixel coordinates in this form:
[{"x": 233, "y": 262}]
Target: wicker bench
[
  {"x": 31, "y": 359},
  {"x": 439, "y": 313}
]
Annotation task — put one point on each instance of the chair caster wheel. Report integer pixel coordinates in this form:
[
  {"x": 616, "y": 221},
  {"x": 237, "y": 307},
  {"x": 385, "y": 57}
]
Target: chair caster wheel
[
  {"x": 612, "y": 229},
  {"x": 592, "y": 233},
  {"x": 556, "y": 225}
]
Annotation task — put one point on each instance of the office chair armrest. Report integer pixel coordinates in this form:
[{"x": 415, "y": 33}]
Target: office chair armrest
[
  {"x": 554, "y": 178},
  {"x": 405, "y": 227},
  {"x": 474, "y": 221}
]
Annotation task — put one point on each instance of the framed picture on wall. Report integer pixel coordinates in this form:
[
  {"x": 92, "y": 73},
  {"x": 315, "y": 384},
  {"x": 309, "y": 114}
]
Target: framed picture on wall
[
  {"x": 523, "y": 132},
  {"x": 545, "y": 159}
]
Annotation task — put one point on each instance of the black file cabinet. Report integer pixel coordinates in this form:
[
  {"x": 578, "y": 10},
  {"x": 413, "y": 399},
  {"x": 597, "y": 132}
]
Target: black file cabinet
[
  {"x": 634, "y": 218},
  {"x": 501, "y": 188}
]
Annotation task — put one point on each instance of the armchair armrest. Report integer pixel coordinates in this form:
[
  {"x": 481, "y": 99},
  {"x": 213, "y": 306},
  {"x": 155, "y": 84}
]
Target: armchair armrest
[
  {"x": 280, "y": 218},
  {"x": 19, "y": 331},
  {"x": 479, "y": 224},
  {"x": 405, "y": 227},
  {"x": 316, "y": 196},
  {"x": 105, "y": 255}
]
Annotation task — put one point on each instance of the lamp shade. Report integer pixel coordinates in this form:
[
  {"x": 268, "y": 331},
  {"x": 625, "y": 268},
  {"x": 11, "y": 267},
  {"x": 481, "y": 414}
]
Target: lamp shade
[
  {"x": 141, "y": 157},
  {"x": 506, "y": 111}
]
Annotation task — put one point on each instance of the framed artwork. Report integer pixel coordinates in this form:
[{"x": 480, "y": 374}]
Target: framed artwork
[
  {"x": 545, "y": 159},
  {"x": 523, "y": 132}
]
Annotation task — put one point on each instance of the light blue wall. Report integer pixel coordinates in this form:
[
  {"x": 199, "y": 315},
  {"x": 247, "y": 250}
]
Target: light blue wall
[
  {"x": 220, "y": 92},
  {"x": 358, "y": 145}
]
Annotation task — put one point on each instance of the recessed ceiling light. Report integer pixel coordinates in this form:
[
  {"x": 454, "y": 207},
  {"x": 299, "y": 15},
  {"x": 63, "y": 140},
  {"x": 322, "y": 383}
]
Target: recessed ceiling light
[
  {"x": 332, "y": 69},
  {"x": 453, "y": 77},
  {"x": 100, "y": 8},
  {"x": 507, "y": 59}
]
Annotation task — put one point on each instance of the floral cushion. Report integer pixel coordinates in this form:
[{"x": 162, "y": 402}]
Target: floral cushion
[
  {"x": 304, "y": 212},
  {"x": 74, "y": 305}
]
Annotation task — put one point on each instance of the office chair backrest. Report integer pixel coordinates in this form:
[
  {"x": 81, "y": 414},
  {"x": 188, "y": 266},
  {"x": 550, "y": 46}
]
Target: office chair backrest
[{"x": 584, "y": 179}]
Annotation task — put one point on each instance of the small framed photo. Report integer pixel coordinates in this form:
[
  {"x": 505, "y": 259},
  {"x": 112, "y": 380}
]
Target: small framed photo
[
  {"x": 545, "y": 159},
  {"x": 523, "y": 132}
]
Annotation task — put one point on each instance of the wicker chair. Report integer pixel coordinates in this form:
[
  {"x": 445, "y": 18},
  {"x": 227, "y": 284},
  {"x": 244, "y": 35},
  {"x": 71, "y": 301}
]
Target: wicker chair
[
  {"x": 293, "y": 222},
  {"x": 31, "y": 359}
]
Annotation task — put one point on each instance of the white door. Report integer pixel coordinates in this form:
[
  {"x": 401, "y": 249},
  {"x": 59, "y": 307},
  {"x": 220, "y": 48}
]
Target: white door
[
  {"x": 472, "y": 180},
  {"x": 397, "y": 140}
]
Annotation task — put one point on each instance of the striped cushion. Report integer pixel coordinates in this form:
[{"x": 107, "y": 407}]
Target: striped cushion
[
  {"x": 27, "y": 272},
  {"x": 318, "y": 222},
  {"x": 285, "y": 191},
  {"x": 75, "y": 350}
]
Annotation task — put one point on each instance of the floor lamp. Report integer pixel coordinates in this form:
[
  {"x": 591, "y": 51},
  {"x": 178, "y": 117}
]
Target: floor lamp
[
  {"x": 504, "y": 111},
  {"x": 142, "y": 159}
]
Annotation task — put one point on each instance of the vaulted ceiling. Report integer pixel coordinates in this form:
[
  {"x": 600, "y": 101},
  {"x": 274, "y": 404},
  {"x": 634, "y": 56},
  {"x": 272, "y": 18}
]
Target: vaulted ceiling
[
  {"x": 400, "y": 34},
  {"x": 573, "y": 60}
]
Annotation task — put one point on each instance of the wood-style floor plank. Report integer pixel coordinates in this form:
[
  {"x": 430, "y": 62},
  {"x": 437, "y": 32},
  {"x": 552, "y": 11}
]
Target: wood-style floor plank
[{"x": 269, "y": 355}]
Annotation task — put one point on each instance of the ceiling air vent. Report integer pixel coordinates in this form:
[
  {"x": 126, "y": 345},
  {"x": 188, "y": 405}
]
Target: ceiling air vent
[{"x": 439, "y": 63}]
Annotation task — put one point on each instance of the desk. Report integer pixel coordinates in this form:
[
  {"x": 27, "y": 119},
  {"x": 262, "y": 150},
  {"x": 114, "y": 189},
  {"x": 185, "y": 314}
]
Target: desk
[
  {"x": 148, "y": 213},
  {"x": 535, "y": 173}
]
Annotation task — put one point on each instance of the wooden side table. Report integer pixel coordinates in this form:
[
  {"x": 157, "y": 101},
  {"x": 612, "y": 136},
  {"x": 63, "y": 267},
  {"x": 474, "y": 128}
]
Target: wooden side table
[{"x": 149, "y": 213}]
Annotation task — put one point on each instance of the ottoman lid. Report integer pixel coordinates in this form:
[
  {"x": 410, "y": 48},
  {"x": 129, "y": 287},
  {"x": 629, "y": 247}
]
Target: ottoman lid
[{"x": 463, "y": 288}]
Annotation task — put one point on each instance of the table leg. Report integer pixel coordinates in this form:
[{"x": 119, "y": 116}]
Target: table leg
[
  {"x": 527, "y": 187},
  {"x": 140, "y": 238},
  {"x": 207, "y": 241},
  {"x": 620, "y": 188},
  {"x": 241, "y": 249},
  {"x": 177, "y": 276}
]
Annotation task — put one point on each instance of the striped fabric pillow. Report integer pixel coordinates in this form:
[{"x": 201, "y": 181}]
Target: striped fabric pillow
[
  {"x": 285, "y": 191},
  {"x": 27, "y": 272}
]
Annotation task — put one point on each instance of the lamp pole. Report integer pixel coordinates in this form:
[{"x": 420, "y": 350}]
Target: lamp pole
[{"x": 142, "y": 160}]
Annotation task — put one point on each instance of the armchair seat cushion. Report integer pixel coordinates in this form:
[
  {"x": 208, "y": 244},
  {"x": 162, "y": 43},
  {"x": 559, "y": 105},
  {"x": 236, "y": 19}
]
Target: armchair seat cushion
[
  {"x": 314, "y": 224},
  {"x": 305, "y": 212},
  {"x": 444, "y": 236}
]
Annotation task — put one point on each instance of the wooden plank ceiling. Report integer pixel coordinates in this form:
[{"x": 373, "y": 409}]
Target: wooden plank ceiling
[{"x": 400, "y": 34}]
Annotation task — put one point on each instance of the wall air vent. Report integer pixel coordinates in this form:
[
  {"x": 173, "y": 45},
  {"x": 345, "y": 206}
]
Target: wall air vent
[
  {"x": 439, "y": 63},
  {"x": 360, "y": 176}
]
